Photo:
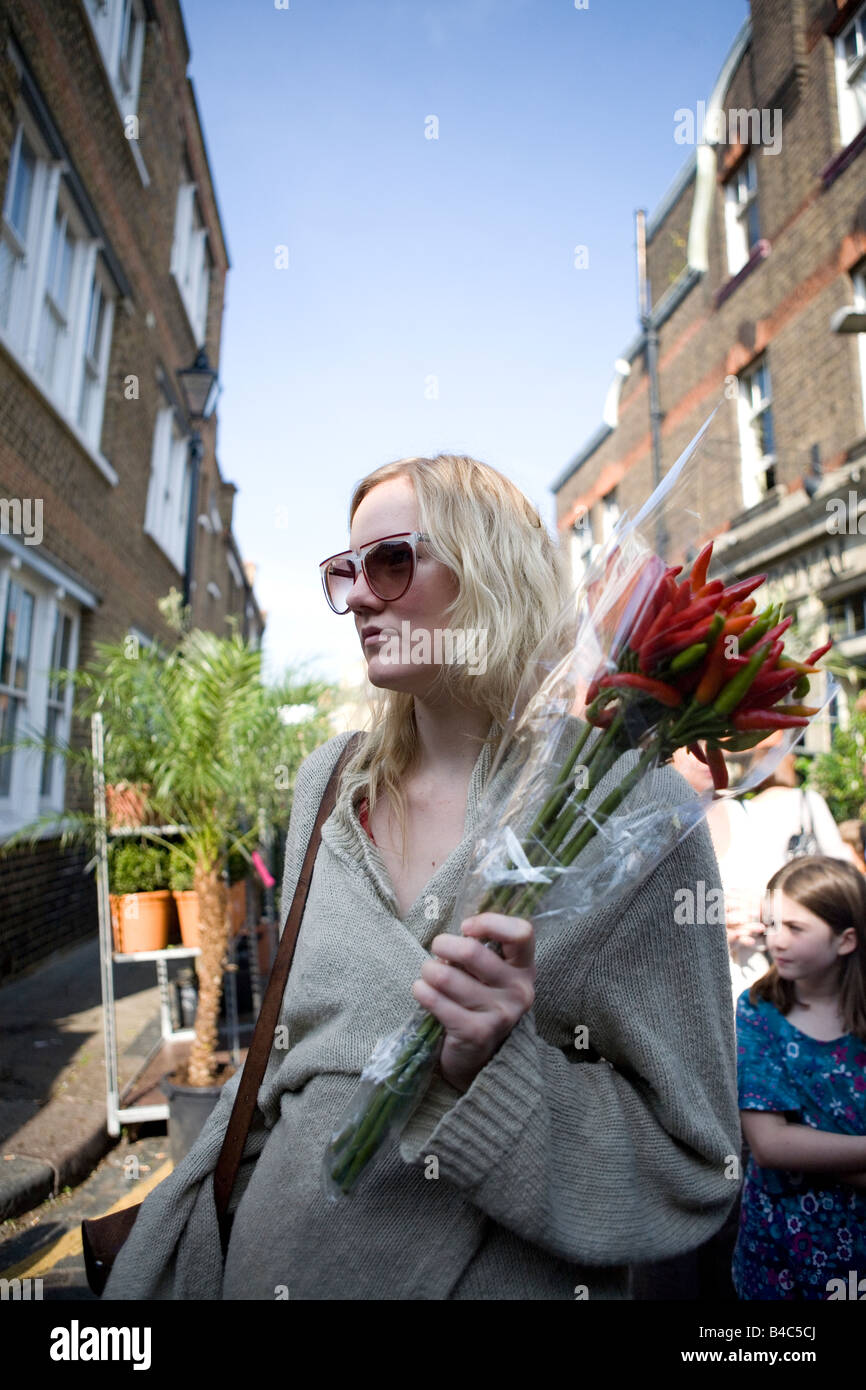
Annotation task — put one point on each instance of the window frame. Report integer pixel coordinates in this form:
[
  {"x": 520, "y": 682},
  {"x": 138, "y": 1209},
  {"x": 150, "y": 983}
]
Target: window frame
[
  {"x": 168, "y": 495},
  {"x": 739, "y": 210},
  {"x": 610, "y": 513},
  {"x": 753, "y": 465},
  {"x": 25, "y": 800},
  {"x": 191, "y": 257},
  {"x": 108, "y": 20},
  {"x": 858, "y": 283},
  {"x": 850, "y": 124},
  {"x": 582, "y": 545},
  {"x": 31, "y": 296}
]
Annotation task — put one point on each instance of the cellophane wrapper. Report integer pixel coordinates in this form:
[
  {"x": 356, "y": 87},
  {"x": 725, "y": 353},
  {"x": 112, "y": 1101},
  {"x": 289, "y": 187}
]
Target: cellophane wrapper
[{"x": 617, "y": 812}]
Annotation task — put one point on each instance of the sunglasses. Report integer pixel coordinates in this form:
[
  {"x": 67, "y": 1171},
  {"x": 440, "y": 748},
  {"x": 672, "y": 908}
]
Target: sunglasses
[{"x": 388, "y": 565}]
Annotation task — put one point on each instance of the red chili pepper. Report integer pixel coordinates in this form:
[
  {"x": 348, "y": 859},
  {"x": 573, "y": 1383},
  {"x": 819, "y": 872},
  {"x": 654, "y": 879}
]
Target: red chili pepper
[
  {"x": 769, "y": 691},
  {"x": 734, "y": 626},
  {"x": 777, "y": 631},
  {"x": 696, "y": 611},
  {"x": 666, "y": 694},
  {"x": 697, "y": 752},
  {"x": 715, "y": 586},
  {"x": 602, "y": 719},
  {"x": 818, "y": 653},
  {"x": 714, "y": 675},
  {"x": 737, "y": 592},
  {"x": 683, "y": 595},
  {"x": 645, "y": 599},
  {"x": 767, "y": 719},
  {"x": 717, "y": 766},
  {"x": 700, "y": 567},
  {"x": 771, "y": 680},
  {"x": 664, "y": 649},
  {"x": 657, "y": 624}
]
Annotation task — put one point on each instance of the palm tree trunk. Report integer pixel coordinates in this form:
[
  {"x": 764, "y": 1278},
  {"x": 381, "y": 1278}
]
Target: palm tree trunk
[{"x": 214, "y": 924}]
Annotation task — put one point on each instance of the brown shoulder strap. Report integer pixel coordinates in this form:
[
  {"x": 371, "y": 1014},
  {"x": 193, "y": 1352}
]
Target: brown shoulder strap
[{"x": 263, "y": 1036}]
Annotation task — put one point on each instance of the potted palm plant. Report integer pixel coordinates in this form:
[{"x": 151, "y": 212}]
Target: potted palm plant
[{"x": 199, "y": 727}]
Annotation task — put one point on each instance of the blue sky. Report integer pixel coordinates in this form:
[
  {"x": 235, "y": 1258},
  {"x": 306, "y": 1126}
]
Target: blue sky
[{"x": 412, "y": 258}]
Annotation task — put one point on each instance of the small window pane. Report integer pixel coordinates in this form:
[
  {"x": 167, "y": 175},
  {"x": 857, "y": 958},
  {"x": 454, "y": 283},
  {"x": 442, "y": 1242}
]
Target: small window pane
[
  {"x": 49, "y": 760},
  {"x": 19, "y": 211},
  {"x": 22, "y": 650},
  {"x": 8, "y": 716},
  {"x": 851, "y": 44}
]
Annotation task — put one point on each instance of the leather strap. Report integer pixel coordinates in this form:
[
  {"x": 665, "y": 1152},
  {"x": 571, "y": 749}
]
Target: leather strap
[{"x": 263, "y": 1036}]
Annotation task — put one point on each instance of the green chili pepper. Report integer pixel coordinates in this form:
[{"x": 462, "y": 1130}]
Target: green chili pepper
[
  {"x": 754, "y": 633},
  {"x": 715, "y": 628},
  {"x": 684, "y": 661},
  {"x": 731, "y": 694},
  {"x": 801, "y": 689}
]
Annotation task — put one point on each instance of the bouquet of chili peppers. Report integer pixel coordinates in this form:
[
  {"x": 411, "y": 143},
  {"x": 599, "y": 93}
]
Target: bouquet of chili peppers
[{"x": 661, "y": 660}]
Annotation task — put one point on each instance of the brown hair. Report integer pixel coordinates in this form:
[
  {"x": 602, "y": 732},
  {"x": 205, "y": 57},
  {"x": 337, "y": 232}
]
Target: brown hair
[{"x": 835, "y": 891}]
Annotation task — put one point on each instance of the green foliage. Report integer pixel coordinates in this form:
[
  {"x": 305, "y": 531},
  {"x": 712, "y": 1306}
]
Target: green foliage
[
  {"x": 199, "y": 726},
  {"x": 237, "y": 865},
  {"x": 137, "y": 868},
  {"x": 180, "y": 870},
  {"x": 838, "y": 775}
]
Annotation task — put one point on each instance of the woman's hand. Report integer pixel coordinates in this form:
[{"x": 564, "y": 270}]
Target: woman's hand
[{"x": 476, "y": 994}]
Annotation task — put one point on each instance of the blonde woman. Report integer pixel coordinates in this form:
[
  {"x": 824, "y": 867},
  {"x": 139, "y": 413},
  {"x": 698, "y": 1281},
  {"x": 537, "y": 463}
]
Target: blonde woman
[{"x": 534, "y": 1168}]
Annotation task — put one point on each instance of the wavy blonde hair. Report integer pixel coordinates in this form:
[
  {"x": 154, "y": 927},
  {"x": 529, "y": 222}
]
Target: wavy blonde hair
[{"x": 513, "y": 581}]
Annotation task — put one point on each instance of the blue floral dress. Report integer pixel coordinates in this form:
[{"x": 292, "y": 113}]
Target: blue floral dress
[{"x": 795, "y": 1235}]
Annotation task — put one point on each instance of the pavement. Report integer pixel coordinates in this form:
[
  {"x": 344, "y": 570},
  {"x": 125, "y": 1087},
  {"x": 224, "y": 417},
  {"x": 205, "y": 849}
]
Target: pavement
[{"x": 52, "y": 1070}]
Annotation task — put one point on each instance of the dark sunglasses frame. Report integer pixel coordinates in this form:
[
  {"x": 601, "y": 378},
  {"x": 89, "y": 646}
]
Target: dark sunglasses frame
[{"x": 358, "y": 560}]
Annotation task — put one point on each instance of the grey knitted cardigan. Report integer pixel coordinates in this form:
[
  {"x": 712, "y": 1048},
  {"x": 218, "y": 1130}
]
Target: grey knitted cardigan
[{"x": 557, "y": 1168}]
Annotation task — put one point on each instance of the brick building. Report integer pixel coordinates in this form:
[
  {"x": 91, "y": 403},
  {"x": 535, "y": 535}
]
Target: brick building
[
  {"x": 756, "y": 259},
  {"x": 112, "y": 276}
]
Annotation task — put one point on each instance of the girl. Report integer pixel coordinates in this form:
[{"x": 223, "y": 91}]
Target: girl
[
  {"x": 535, "y": 1167},
  {"x": 801, "y": 1043}
]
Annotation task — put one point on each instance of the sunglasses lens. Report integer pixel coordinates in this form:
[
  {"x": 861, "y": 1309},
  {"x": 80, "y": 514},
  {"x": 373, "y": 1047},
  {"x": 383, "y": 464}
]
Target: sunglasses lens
[
  {"x": 339, "y": 578},
  {"x": 389, "y": 568}
]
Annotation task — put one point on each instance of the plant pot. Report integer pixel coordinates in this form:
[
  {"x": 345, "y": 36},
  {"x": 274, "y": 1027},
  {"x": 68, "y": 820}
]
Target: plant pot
[
  {"x": 187, "y": 913},
  {"x": 141, "y": 921},
  {"x": 126, "y": 805},
  {"x": 188, "y": 1109}
]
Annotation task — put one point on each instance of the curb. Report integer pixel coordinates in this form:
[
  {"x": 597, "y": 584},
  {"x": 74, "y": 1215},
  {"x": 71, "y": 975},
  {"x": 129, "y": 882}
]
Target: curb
[{"x": 26, "y": 1182}]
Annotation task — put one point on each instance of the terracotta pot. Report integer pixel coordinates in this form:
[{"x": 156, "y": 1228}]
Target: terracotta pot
[
  {"x": 141, "y": 921},
  {"x": 126, "y": 805},
  {"x": 187, "y": 912}
]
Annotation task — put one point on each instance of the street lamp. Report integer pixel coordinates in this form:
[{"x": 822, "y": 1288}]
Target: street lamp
[{"x": 199, "y": 388}]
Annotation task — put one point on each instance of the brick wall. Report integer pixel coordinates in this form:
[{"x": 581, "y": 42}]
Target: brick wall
[
  {"x": 91, "y": 526},
  {"x": 783, "y": 306}
]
